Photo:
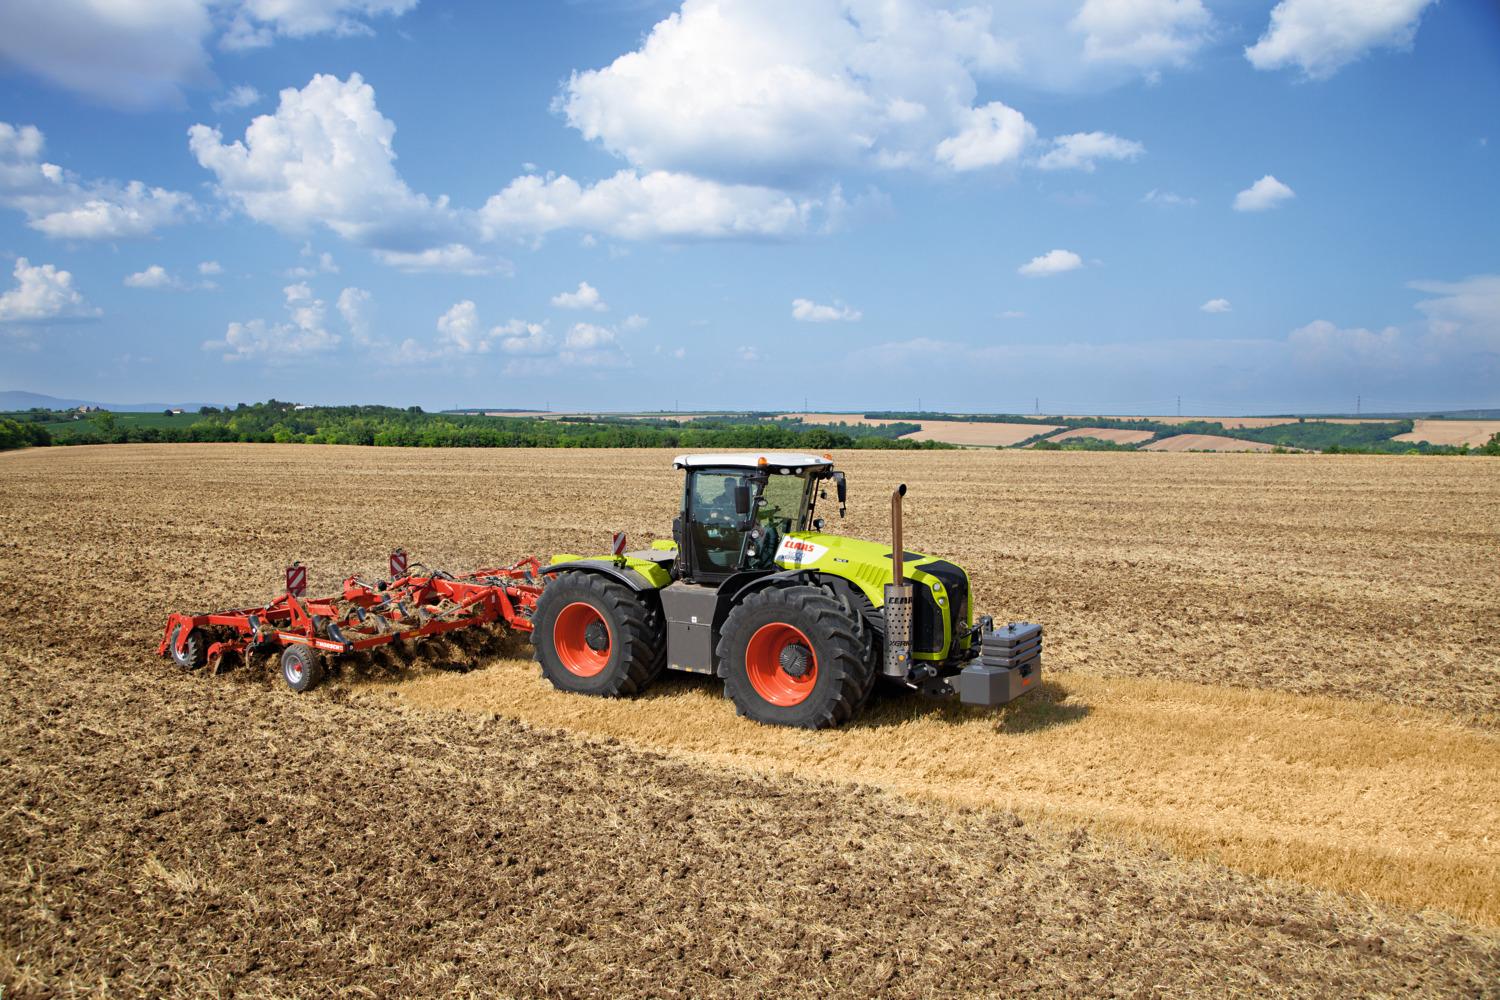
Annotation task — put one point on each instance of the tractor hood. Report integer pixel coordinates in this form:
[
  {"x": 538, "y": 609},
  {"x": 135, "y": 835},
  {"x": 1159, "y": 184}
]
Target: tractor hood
[{"x": 865, "y": 564}]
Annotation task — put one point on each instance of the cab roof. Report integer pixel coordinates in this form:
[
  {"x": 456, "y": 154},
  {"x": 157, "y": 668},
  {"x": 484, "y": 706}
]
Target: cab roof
[{"x": 752, "y": 460}]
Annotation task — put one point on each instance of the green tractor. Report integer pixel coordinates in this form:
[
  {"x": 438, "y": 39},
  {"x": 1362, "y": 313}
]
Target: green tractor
[{"x": 799, "y": 624}]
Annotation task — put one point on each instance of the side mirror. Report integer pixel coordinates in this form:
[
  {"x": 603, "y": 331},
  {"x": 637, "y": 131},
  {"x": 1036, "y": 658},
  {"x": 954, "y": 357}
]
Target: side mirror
[
  {"x": 841, "y": 487},
  {"x": 742, "y": 501}
]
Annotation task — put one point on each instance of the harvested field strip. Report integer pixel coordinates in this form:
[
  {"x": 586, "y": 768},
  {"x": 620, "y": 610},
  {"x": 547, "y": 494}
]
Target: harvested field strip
[
  {"x": 1399, "y": 804},
  {"x": 1470, "y": 432},
  {"x": 1206, "y": 442},
  {"x": 976, "y": 434},
  {"x": 1115, "y": 434}
]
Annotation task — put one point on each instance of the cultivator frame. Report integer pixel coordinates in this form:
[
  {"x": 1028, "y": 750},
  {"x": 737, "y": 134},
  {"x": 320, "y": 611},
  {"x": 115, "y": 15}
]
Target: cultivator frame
[{"x": 412, "y": 605}]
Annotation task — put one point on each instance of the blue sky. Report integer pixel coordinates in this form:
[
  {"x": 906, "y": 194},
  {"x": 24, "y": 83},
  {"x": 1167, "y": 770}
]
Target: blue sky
[{"x": 1100, "y": 204}]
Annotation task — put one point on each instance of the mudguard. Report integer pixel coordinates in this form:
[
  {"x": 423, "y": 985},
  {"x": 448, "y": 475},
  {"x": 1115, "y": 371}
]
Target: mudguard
[{"x": 639, "y": 575}]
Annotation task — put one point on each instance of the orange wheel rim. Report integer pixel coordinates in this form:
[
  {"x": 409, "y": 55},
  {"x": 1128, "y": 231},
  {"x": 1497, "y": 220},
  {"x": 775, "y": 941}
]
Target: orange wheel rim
[
  {"x": 582, "y": 639},
  {"x": 773, "y": 659}
]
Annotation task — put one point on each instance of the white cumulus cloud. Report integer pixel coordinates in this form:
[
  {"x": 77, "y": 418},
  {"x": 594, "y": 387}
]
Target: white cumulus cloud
[
  {"x": 154, "y": 276},
  {"x": 988, "y": 137},
  {"x": 586, "y": 297},
  {"x": 1142, "y": 34},
  {"x": 781, "y": 93},
  {"x": 1463, "y": 315},
  {"x": 209, "y": 268},
  {"x": 591, "y": 346},
  {"x": 1051, "y": 262},
  {"x": 1265, "y": 193},
  {"x": 256, "y": 23},
  {"x": 304, "y": 333},
  {"x": 1081, "y": 150},
  {"x": 776, "y": 91},
  {"x": 42, "y": 294},
  {"x": 1323, "y": 344},
  {"x": 326, "y": 158},
  {"x": 128, "y": 55},
  {"x": 1216, "y": 306},
  {"x": 354, "y": 307},
  {"x": 1322, "y": 36},
  {"x": 59, "y": 204},
  {"x": 139, "y": 54},
  {"x": 455, "y": 258},
  {"x": 808, "y": 311},
  {"x": 656, "y": 205},
  {"x": 529, "y": 348}
]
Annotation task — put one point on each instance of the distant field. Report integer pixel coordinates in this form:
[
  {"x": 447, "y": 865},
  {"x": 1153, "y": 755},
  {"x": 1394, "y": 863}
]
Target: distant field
[
  {"x": 834, "y": 418},
  {"x": 1206, "y": 442},
  {"x": 1470, "y": 432},
  {"x": 1114, "y": 434},
  {"x": 983, "y": 435}
]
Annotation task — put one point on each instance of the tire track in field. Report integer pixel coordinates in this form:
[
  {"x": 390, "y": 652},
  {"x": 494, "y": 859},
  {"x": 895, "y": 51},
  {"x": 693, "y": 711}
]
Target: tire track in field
[{"x": 1397, "y": 803}]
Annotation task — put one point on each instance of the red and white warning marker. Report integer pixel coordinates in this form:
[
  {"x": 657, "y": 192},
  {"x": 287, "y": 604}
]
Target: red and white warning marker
[
  {"x": 398, "y": 563},
  {"x": 619, "y": 549},
  {"x": 296, "y": 579}
]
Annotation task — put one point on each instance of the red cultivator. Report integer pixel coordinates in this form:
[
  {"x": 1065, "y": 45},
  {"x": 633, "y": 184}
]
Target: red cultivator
[{"x": 411, "y": 605}]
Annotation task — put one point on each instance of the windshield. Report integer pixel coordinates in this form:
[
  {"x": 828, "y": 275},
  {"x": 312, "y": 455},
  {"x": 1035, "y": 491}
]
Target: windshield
[{"x": 785, "y": 504}]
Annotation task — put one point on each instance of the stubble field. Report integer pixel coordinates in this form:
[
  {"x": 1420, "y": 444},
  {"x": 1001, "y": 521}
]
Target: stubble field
[{"x": 1266, "y": 756}]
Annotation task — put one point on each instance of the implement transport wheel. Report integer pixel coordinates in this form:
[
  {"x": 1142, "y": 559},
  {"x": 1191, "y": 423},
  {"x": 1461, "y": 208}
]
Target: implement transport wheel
[
  {"x": 193, "y": 653},
  {"x": 795, "y": 656},
  {"x": 593, "y": 635},
  {"x": 301, "y": 667}
]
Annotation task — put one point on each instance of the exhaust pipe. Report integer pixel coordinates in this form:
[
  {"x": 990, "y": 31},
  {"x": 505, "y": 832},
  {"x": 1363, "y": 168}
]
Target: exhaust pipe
[
  {"x": 898, "y": 550},
  {"x": 898, "y": 599}
]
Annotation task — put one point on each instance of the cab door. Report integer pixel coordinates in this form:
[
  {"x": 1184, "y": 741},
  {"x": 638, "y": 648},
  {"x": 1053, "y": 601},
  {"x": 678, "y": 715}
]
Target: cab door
[{"x": 713, "y": 534}]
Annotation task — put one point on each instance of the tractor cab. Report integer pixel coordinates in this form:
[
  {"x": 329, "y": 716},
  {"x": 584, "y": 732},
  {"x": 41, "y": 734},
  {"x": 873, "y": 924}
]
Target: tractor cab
[{"x": 738, "y": 508}]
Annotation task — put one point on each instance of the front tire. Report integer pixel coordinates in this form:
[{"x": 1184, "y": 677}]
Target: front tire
[
  {"x": 794, "y": 656},
  {"x": 194, "y": 651},
  {"x": 595, "y": 636}
]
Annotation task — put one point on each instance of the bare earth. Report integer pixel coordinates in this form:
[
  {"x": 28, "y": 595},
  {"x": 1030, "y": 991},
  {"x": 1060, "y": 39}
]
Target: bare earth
[
  {"x": 1265, "y": 761},
  {"x": 1206, "y": 442}
]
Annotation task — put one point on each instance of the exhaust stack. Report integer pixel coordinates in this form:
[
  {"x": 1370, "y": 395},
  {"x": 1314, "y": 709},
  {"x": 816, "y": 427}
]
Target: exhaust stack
[{"x": 898, "y": 599}]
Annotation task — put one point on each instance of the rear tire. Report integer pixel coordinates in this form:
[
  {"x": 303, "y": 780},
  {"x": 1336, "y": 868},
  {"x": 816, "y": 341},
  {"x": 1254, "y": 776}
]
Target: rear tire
[
  {"x": 301, "y": 668},
  {"x": 593, "y": 635},
  {"x": 795, "y": 656}
]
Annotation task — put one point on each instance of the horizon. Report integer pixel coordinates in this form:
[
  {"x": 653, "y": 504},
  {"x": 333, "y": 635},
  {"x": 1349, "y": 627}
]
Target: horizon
[
  {"x": 1253, "y": 208},
  {"x": 1454, "y": 413}
]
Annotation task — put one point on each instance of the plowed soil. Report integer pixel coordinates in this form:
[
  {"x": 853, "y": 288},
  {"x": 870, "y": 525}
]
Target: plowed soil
[{"x": 1281, "y": 665}]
